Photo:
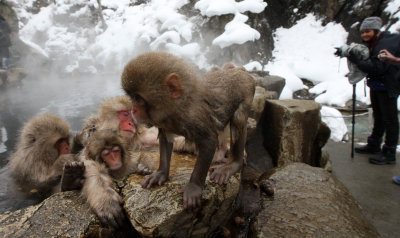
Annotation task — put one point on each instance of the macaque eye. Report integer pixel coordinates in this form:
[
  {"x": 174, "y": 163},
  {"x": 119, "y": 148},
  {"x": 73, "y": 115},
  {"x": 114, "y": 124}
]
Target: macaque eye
[
  {"x": 124, "y": 113},
  {"x": 138, "y": 100},
  {"x": 115, "y": 149},
  {"x": 105, "y": 152}
]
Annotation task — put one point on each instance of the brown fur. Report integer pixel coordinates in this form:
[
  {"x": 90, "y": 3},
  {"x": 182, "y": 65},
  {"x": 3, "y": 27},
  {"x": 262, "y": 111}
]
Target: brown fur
[
  {"x": 36, "y": 163},
  {"x": 98, "y": 185},
  {"x": 198, "y": 109}
]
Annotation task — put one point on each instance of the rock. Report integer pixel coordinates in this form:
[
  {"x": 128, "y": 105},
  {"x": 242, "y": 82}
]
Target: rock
[
  {"x": 61, "y": 215},
  {"x": 294, "y": 132},
  {"x": 360, "y": 106},
  {"x": 158, "y": 212},
  {"x": 304, "y": 94},
  {"x": 309, "y": 202},
  {"x": 269, "y": 82}
]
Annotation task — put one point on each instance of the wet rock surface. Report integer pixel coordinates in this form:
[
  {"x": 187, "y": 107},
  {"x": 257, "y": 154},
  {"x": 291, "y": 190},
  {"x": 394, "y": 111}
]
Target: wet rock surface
[
  {"x": 309, "y": 202},
  {"x": 158, "y": 212},
  {"x": 61, "y": 215}
]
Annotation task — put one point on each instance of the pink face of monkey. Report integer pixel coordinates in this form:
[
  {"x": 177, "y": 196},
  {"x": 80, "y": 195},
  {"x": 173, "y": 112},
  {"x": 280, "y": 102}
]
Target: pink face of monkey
[
  {"x": 112, "y": 157},
  {"x": 126, "y": 125},
  {"x": 62, "y": 146}
]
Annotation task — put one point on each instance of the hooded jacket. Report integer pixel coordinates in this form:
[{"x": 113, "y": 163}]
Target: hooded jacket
[{"x": 380, "y": 72}]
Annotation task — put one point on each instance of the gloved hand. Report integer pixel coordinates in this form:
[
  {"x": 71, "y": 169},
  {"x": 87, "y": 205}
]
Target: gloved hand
[
  {"x": 338, "y": 51},
  {"x": 352, "y": 58}
]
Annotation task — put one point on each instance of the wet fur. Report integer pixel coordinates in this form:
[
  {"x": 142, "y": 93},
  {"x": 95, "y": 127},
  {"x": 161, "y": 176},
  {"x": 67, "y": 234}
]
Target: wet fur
[{"x": 36, "y": 163}]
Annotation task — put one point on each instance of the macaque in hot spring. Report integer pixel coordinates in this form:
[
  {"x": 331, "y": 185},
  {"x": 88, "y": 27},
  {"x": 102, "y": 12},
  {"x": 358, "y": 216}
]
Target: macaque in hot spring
[
  {"x": 115, "y": 114},
  {"x": 168, "y": 94},
  {"x": 41, "y": 164}
]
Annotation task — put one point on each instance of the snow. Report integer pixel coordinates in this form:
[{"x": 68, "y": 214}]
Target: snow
[
  {"x": 3, "y": 139},
  {"x": 305, "y": 50}
]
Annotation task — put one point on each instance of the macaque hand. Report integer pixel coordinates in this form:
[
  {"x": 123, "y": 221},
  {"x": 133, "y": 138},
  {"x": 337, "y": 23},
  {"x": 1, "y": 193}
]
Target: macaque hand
[
  {"x": 191, "y": 196},
  {"x": 72, "y": 177},
  {"x": 220, "y": 174},
  {"x": 158, "y": 177},
  {"x": 109, "y": 210},
  {"x": 143, "y": 169}
]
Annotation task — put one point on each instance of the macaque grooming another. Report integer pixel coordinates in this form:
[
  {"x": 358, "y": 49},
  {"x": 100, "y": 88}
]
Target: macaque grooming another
[
  {"x": 168, "y": 94},
  {"x": 115, "y": 114},
  {"x": 42, "y": 154},
  {"x": 105, "y": 157}
]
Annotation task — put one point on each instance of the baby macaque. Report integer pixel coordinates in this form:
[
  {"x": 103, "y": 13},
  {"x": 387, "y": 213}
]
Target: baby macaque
[
  {"x": 106, "y": 158},
  {"x": 167, "y": 93},
  {"x": 41, "y": 155}
]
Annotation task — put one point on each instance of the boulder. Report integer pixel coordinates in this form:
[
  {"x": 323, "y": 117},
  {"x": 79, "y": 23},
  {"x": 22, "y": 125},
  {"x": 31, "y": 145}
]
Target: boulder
[
  {"x": 158, "y": 212},
  {"x": 269, "y": 82},
  {"x": 294, "y": 132},
  {"x": 308, "y": 202},
  {"x": 61, "y": 215}
]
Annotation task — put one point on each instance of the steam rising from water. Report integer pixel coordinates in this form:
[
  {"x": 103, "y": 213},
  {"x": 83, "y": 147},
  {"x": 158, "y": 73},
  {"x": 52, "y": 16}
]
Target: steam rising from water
[{"x": 72, "y": 98}]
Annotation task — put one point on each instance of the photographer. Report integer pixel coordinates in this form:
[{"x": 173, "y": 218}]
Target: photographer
[
  {"x": 386, "y": 56},
  {"x": 384, "y": 90}
]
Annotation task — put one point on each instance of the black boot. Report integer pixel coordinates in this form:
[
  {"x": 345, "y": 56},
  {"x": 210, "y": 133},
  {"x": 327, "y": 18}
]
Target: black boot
[
  {"x": 387, "y": 156},
  {"x": 373, "y": 146}
]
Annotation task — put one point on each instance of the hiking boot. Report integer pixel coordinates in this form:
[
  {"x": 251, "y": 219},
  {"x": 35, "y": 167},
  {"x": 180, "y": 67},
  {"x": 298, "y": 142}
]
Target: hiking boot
[
  {"x": 396, "y": 180},
  {"x": 386, "y": 156},
  {"x": 372, "y": 147}
]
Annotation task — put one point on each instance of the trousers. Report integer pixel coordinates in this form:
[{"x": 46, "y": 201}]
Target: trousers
[{"x": 384, "y": 111}]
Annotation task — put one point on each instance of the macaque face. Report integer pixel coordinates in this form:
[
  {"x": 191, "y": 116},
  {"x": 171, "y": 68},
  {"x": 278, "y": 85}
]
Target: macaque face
[
  {"x": 62, "y": 146},
  {"x": 367, "y": 35},
  {"x": 111, "y": 155},
  {"x": 126, "y": 125},
  {"x": 139, "y": 109}
]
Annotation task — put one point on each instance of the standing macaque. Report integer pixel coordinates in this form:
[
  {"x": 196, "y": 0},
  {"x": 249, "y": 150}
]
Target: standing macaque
[
  {"x": 183, "y": 145},
  {"x": 168, "y": 94},
  {"x": 42, "y": 155},
  {"x": 105, "y": 157}
]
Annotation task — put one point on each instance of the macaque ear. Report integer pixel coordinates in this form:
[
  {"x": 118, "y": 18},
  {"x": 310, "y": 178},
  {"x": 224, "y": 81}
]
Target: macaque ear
[{"x": 174, "y": 86}]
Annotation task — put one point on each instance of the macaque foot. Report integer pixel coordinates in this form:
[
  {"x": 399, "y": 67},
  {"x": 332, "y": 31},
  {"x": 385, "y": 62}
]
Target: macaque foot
[
  {"x": 143, "y": 169},
  {"x": 158, "y": 177},
  {"x": 220, "y": 174},
  {"x": 191, "y": 196},
  {"x": 72, "y": 177}
]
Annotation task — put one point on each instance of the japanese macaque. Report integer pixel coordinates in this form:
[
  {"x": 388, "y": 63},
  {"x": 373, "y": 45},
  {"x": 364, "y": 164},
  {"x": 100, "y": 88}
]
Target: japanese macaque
[
  {"x": 41, "y": 155},
  {"x": 185, "y": 146},
  {"x": 115, "y": 114},
  {"x": 168, "y": 94},
  {"x": 106, "y": 157}
]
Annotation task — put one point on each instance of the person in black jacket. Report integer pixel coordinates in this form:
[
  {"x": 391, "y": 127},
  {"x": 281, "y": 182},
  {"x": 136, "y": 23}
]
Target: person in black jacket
[
  {"x": 383, "y": 81},
  {"x": 386, "y": 56},
  {"x": 5, "y": 42}
]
